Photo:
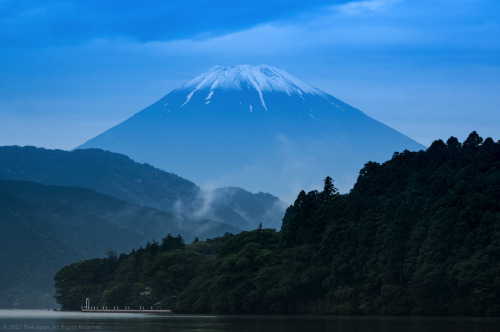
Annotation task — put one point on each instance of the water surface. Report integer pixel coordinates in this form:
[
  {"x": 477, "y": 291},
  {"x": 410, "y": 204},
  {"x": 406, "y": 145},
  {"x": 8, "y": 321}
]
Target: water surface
[{"x": 39, "y": 320}]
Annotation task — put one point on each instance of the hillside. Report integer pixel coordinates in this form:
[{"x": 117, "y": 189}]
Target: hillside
[
  {"x": 119, "y": 176},
  {"x": 417, "y": 235},
  {"x": 46, "y": 227}
]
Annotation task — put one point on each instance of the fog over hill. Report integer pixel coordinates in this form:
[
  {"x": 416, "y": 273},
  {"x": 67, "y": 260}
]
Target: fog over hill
[{"x": 118, "y": 176}]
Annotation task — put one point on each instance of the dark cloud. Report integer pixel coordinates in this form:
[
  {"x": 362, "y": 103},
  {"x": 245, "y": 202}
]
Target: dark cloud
[{"x": 29, "y": 22}]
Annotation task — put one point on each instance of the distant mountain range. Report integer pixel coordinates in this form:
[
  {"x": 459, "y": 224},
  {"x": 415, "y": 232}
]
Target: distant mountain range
[
  {"x": 257, "y": 128},
  {"x": 57, "y": 207},
  {"x": 118, "y": 176}
]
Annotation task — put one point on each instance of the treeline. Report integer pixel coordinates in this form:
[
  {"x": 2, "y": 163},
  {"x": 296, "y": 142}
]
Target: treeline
[{"x": 417, "y": 235}]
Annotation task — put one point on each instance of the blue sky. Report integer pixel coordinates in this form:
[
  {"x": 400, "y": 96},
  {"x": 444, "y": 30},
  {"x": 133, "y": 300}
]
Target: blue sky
[{"x": 71, "y": 69}]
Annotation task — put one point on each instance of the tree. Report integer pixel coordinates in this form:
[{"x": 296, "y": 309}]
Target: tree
[
  {"x": 473, "y": 141},
  {"x": 453, "y": 144},
  {"x": 329, "y": 189}
]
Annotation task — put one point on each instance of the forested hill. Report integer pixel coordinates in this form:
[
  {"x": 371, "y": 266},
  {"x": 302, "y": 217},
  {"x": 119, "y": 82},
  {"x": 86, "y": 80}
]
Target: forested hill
[
  {"x": 418, "y": 234},
  {"x": 118, "y": 176}
]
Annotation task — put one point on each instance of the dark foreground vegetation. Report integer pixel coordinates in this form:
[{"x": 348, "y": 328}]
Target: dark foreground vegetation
[{"x": 417, "y": 235}]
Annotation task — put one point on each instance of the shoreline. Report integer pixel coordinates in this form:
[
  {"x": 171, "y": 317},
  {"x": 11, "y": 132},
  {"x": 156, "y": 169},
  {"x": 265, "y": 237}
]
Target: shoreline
[{"x": 152, "y": 311}]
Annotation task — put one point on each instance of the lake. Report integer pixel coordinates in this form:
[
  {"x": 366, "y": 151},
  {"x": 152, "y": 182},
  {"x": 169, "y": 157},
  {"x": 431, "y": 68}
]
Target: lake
[{"x": 38, "y": 320}]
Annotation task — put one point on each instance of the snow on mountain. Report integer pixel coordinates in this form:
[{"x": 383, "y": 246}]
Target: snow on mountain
[
  {"x": 261, "y": 78},
  {"x": 255, "y": 127}
]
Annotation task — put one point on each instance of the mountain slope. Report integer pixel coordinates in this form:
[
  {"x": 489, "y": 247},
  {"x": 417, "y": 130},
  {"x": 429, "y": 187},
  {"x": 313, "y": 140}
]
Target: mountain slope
[
  {"x": 258, "y": 128},
  {"x": 46, "y": 227},
  {"x": 260, "y": 207},
  {"x": 108, "y": 173},
  {"x": 118, "y": 176}
]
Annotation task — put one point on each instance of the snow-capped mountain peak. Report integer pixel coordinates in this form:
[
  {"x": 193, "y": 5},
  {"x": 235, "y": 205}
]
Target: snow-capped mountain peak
[
  {"x": 262, "y": 78},
  {"x": 258, "y": 128}
]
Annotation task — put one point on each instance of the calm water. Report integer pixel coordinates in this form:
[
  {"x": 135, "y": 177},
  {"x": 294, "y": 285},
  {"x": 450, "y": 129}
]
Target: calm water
[{"x": 36, "y": 320}]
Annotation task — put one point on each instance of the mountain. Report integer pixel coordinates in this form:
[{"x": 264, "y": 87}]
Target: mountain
[
  {"x": 108, "y": 173},
  {"x": 46, "y": 227},
  {"x": 116, "y": 175},
  {"x": 257, "y": 128},
  {"x": 261, "y": 207}
]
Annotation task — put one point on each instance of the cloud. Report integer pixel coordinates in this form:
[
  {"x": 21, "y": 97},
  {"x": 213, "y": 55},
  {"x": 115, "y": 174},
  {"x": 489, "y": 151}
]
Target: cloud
[
  {"x": 325, "y": 33},
  {"x": 72, "y": 22},
  {"x": 256, "y": 27},
  {"x": 357, "y": 7},
  {"x": 378, "y": 28}
]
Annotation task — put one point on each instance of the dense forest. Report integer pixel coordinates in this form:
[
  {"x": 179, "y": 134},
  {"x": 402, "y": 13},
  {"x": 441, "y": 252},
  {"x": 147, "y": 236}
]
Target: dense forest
[{"x": 417, "y": 235}]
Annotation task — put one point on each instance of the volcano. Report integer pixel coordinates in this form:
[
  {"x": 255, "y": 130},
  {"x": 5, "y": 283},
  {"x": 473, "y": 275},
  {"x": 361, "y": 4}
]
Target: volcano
[{"x": 255, "y": 127}]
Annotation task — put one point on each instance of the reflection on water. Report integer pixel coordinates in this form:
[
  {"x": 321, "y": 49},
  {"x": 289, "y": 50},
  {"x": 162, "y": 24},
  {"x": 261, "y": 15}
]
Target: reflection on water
[{"x": 37, "y": 320}]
